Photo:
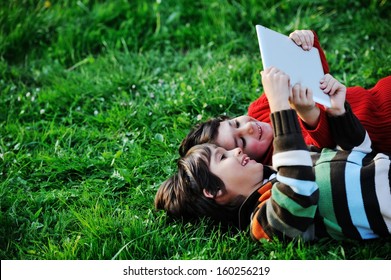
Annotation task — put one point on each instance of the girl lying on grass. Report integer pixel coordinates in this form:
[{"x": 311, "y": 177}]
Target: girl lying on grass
[
  {"x": 342, "y": 193},
  {"x": 253, "y": 133}
]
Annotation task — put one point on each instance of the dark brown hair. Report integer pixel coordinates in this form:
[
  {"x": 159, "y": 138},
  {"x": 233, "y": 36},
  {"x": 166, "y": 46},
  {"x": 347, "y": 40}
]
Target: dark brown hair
[
  {"x": 205, "y": 132},
  {"x": 181, "y": 196}
]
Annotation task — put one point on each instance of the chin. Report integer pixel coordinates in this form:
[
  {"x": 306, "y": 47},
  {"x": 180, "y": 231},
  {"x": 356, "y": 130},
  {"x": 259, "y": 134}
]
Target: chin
[{"x": 258, "y": 157}]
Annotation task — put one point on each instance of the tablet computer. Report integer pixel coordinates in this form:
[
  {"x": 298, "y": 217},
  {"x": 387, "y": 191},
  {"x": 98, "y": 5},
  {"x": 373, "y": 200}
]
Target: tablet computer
[{"x": 304, "y": 67}]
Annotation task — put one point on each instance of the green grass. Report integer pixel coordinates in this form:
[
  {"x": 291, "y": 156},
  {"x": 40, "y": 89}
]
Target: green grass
[{"x": 95, "y": 97}]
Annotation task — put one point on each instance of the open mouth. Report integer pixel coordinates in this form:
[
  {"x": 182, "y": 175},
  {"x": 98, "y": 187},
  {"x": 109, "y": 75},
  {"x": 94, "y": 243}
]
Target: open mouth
[
  {"x": 259, "y": 131},
  {"x": 245, "y": 160}
]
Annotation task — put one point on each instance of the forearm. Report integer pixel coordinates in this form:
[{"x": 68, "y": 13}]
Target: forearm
[
  {"x": 288, "y": 139},
  {"x": 291, "y": 157},
  {"x": 348, "y": 132},
  {"x": 319, "y": 135},
  {"x": 310, "y": 117}
]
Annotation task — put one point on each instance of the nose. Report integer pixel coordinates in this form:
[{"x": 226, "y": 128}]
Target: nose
[
  {"x": 247, "y": 129},
  {"x": 237, "y": 151}
]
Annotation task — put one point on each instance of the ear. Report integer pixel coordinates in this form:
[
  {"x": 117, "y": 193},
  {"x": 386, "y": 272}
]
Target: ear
[{"x": 209, "y": 195}]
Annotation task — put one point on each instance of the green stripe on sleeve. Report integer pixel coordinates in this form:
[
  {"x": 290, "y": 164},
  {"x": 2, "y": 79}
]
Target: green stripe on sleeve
[
  {"x": 326, "y": 207},
  {"x": 293, "y": 207}
]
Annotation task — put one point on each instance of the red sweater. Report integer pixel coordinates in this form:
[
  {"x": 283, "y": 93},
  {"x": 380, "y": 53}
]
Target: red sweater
[{"x": 372, "y": 107}]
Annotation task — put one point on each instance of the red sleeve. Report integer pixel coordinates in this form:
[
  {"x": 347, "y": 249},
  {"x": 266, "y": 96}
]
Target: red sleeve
[
  {"x": 259, "y": 109},
  {"x": 320, "y": 136}
]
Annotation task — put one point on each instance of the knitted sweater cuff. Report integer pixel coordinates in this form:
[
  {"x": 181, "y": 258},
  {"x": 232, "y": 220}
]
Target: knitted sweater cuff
[
  {"x": 285, "y": 122},
  {"x": 287, "y": 132}
]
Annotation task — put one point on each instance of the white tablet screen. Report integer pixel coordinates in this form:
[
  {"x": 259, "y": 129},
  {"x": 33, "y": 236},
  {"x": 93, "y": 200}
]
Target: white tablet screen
[{"x": 303, "y": 67}]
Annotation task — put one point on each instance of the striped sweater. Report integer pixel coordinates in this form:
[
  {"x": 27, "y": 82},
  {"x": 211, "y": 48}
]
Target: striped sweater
[{"x": 340, "y": 193}]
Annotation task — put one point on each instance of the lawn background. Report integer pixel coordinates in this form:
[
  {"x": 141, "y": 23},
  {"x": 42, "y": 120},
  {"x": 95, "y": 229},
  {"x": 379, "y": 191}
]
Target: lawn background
[{"x": 95, "y": 97}]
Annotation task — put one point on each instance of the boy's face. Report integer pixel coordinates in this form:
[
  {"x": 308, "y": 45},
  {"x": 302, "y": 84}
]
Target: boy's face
[
  {"x": 241, "y": 175},
  {"x": 252, "y": 136}
]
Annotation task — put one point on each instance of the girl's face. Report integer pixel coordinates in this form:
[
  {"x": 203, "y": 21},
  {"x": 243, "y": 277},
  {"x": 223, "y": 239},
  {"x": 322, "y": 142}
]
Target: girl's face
[
  {"x": 252, "y": 136},
  {"x": 241, "y": 175}
]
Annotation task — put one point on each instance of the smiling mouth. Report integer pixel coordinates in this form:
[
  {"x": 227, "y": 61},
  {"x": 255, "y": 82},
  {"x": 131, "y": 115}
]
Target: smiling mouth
[
  {"x": 245, "y": 160},
  {"x": 260, "y": 131}
]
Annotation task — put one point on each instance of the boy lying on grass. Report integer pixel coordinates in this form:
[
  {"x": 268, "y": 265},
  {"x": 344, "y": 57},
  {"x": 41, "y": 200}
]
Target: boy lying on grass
[{"x": 342, "y": 193}]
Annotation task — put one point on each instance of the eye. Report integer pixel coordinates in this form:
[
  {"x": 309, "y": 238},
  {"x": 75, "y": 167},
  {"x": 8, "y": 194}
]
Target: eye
[
  {"x": 237, "y": 124},
  {"x": 243, "y": 142}
]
